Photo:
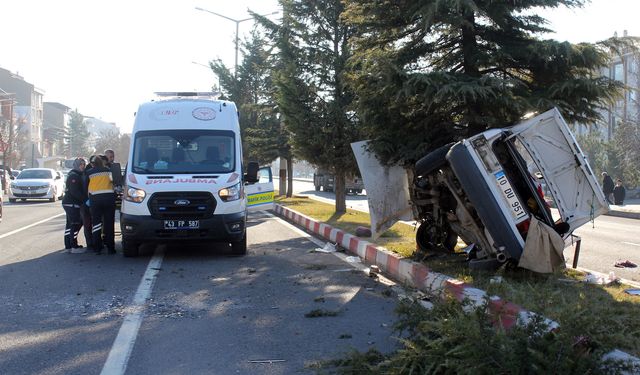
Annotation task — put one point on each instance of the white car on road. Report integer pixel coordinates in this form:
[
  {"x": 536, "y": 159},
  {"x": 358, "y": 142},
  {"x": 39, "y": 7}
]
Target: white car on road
[{"x": 36, "y": 183}]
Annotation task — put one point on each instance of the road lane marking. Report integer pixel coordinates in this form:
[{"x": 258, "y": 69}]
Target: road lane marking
[
  {"x": 31, "y": 225},
  {"x": 631, "y": 243},
  {"x": 118, "y": 358}
]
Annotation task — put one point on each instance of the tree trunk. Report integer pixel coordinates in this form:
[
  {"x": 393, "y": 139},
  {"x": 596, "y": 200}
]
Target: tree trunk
[
  {"x": 282, "y": 188},
  {"x": 289, "y": 178},
  {"x": 341, "y": 196}
]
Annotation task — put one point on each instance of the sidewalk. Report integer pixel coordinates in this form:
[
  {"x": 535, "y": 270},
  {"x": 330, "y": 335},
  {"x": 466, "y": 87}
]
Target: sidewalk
[{"x": 630, "y": 209}]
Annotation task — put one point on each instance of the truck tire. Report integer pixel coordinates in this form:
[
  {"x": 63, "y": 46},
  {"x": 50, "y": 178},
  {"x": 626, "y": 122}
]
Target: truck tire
[
  {"x": 130, "y": 248},
  {"x": 317, "y": 187},
  {"x": 427, "y": 239},
  {"x": 239, "y": 248},
  {"x": 432, "y": 161}
]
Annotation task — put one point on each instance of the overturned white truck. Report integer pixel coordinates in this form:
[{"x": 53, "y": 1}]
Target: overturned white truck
[{"x": 489, "y": 191}]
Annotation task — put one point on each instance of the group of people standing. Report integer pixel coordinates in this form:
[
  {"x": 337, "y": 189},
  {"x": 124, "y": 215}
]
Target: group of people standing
[
  {"x": 609, "y": 188},
  {"x": 90, "y": 202}
]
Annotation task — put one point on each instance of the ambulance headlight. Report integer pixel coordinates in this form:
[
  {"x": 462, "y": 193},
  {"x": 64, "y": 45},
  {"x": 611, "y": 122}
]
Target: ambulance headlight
[
  {"x": 132, "y": 194},
  {"x": 231, "y": 193}
]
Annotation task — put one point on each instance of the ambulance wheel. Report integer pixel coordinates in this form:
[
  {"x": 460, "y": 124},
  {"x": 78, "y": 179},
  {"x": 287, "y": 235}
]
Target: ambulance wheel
[
  {"x": 130, "y": 248},
  {"x": 239, "y": 248}
]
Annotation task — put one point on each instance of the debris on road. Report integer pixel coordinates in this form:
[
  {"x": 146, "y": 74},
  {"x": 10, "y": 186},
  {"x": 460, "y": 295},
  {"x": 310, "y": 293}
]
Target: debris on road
[
  {"x": 328, "y": 248},
  {"x": 352, "y": 259},
  {"x": 374, "y": 271},
  {"x": 625, "y": 264},
  {"x": 266, "y": 361},
  {"x": 633, "y": 291}
]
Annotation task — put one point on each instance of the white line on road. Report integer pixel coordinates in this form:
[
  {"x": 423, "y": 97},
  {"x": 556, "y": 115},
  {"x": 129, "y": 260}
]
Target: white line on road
[
  {"x": 116, "y": 363},
  {"x": 631, "y": 243},
  {"x": 30, "y": 225}
]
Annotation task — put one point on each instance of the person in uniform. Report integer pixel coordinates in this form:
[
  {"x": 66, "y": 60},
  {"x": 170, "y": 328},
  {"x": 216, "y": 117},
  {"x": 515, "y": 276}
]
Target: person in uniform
[
  {"x": 102, "y": 204},
  {"x": 74, "y": 197}
]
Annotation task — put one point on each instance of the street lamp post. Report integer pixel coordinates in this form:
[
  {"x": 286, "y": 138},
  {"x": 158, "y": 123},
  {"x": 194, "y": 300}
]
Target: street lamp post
[{"x": 235, "y": 70}]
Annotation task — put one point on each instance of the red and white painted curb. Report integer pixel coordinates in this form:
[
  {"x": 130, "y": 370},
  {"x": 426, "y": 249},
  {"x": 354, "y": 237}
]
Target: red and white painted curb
[
  {"x": 408, "y": 272},
  {"x": 419, "y": 276}
]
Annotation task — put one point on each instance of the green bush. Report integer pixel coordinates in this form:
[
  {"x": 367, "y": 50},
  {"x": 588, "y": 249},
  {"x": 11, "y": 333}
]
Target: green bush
[{"x": 454, "y": 338}]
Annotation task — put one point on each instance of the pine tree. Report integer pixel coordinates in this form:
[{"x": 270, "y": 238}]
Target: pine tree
[
  {"x": 78, "y": 136},
  {"x": 431, "y": 71},
  {"x": 263, "y": 135},
  {"x": 312, "y": 45}
]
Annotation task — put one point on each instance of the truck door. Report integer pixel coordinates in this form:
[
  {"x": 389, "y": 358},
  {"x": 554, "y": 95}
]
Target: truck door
[{"x": 260, "y": 194}]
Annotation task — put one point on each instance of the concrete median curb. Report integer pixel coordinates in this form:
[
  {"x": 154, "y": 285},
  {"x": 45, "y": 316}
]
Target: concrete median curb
[
  {"x": 625, "y": 214},
  {"x": 408, "y": 272},
  {"x": 419, "y": 276}
]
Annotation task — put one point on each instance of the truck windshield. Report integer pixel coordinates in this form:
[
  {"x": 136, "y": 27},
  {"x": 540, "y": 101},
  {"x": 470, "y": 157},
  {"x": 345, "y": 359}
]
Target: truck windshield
[{"x": 184, "y": 151}]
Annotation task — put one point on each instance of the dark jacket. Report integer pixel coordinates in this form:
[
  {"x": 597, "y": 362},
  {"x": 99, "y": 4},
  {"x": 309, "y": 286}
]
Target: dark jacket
[
  {"x": 607, "y": 184},
  {"x": 75, "y": 192},
  {"x": 116, "y": 172},
  {"x": 618, "y": 194}
]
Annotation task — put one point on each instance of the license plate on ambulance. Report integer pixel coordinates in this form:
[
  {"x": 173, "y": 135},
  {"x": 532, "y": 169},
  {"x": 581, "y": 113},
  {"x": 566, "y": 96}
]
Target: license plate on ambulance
[
  {"x": 517, "y": 210},
  {"x": 181, "y": 224}
]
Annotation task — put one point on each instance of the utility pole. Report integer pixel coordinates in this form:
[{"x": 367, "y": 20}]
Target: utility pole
[{"x": 235, "y": 70}]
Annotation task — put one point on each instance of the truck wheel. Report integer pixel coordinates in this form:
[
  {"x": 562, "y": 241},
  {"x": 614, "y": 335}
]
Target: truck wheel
[
  {"x": 239, "y": 248},
  {"x": 431, "y": 238},
  {"x": 432, "y": 161},
  {"x": 130, "y": 248},
  {"x": 317, "y": 187},
  {"x": 12, "y": 200}
]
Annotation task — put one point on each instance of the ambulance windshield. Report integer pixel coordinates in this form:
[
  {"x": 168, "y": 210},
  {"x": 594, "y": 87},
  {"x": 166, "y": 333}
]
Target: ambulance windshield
[{"x": 183, "y": 151}]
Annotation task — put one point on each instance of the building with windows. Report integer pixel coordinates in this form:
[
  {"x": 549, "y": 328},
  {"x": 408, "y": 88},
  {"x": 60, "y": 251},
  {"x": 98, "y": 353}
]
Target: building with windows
[
  {"x": 626, "y": 69},
  {"x": 27, "y": 114},
  {"x": 55, "y": 130}
]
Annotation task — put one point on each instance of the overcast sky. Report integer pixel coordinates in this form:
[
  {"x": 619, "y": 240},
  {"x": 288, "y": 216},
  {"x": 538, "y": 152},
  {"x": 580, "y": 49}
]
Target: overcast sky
[{"x": 105, "y": 57}]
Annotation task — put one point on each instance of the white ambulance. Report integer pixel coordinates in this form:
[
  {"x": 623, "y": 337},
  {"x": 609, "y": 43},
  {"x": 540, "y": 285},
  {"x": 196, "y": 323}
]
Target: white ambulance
[{"x": 185, "y": 179}]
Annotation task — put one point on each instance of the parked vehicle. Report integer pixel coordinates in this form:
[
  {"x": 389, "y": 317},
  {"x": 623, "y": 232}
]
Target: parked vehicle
[
  {"x": 184, "y": 176},
  {"x": 36, "y": 183},
  {"x": 488, "y": 188},
  {"x": 325, "y": 181}
]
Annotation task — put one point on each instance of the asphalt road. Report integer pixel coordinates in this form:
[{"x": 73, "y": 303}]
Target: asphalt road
[
  {"x": 179, "y": 309},
  {"x": 606, "y": 241}
]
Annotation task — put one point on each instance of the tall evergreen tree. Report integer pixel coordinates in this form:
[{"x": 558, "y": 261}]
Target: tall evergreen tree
[
  {"x": 263, "y": 135},
  {"x": 313, "y": 48},
  {"x": 432, "y": 71},
  {"x": 78, "y": 135}
]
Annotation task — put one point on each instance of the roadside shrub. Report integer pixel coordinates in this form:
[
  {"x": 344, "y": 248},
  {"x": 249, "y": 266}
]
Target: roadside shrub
[{"x": 454, "y": 338}]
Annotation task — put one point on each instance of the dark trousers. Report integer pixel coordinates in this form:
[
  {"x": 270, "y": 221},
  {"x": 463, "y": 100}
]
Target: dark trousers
[
  {"x": 74, "y": 223},
  {"x": 103, "y": 211},
  {"x": 85, "y": 214}
]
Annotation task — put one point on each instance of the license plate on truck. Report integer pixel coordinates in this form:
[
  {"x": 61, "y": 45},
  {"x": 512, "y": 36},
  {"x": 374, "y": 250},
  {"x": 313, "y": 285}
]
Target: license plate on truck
[
  {"x": 181, "y": 224},
  {"x": 517, "y": 210}
]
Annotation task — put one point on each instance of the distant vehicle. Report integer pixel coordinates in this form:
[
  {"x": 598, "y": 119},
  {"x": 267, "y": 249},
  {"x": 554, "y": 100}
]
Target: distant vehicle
[
  {"x": 36, "y": 183},
  {"x": 325, "y": 181}
]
